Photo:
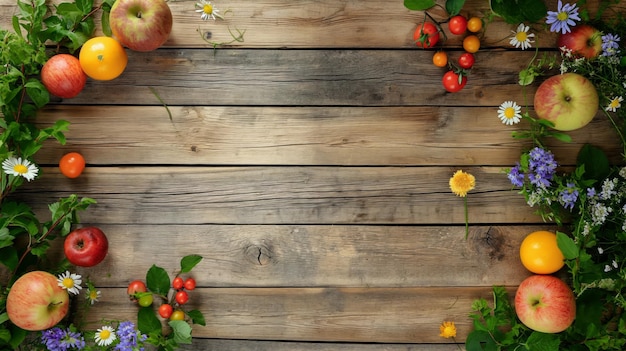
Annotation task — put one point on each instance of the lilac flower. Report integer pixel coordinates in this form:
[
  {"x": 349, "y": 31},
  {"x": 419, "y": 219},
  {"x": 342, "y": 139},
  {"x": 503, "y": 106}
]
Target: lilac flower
[
  {"x": 541, "y": 167},
  {"x": 591, "y": 192},
  {"x": 516, "y": 176},
  {"x": 563, "y": 18},
  {"x": 568, "y": 196},
  {"x": 57, "y": 339},
  {"x": 129, "y": 337},
  {"x": 610, "y": 44}
]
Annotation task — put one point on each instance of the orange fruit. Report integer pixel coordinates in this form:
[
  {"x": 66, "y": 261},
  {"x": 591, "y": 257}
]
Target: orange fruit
[
  {"x": 474, "y": 24},
  {"x": 540, "y": 253},
  {"x": 471, "y": 43},
  {"x": 440, "y": 59},
  {"x": 103, "y": 58}
]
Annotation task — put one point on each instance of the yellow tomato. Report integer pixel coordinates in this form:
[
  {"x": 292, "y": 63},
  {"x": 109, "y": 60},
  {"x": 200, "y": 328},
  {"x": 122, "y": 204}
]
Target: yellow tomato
[
  {"x": 474, "y": 24},
  {"x": 540, "y": 253},
  {"x": 471, "y": 43},
  {"x": 177, "y": 315},
  {"x": 103, "y": 58},
  {"x": 440, "y": 59}
]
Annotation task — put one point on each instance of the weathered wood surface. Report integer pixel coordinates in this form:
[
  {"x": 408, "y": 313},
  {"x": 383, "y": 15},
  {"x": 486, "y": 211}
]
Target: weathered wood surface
[{"x": 309, "y": 165}]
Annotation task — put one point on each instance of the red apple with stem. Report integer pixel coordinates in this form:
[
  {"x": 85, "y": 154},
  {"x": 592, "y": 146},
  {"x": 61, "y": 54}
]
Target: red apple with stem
[
  {"x": 36, "y": 301},
  {"x": 63, "y": 76},
  {"x": 86, "y": 247},
  {"x": 545, "y": 303},
  {"x": 583, "y": 40},
  {"x": 141, "y": 25},
  {"x": 569, "y": 100}
]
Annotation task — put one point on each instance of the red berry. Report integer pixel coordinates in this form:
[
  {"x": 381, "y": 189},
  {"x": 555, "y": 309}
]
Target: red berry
[
  {"x": 190, "y": 284},
  {"x": 177, "y": 283},
  {"x": 182, "y": 297},
  {"x": 165, "y": 310}
]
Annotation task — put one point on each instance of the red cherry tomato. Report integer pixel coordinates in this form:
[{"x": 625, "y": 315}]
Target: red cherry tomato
[
  {"x": 190, "y": 284},
  {"x": 457, "y": 24},
  {"x": 453, "y": 82},
  {"x": 466, "y": 60},
  {"x": 165, "y": 310},
  {"x": 134, "y": 287},
  {"x": 182, "y": 297},
  {"x": 72, "y": 164},
  {"x": 426, "y": 35},
  {"x": 177, "y": 283}
]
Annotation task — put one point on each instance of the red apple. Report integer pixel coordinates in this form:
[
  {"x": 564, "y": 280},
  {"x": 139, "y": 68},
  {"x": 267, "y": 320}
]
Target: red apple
[
  {"x": 36, "y": 301},
  {"x": 569, "y": 100},
  {"x": 545, "y": 303},
  {"x": 584, "y": 41},
  {"x": 63, "y": 76},
  {"x": 141, "y": 25},
  {"x": 86, "y": 247}
]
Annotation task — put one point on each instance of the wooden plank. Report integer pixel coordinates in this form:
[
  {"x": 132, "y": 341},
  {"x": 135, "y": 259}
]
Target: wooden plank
[
  {"x": 256, "y": 345},
  {"x": 382, "y": 315},
  {"x": 248, "y": 77},
  {"x": 308, "y": 23},
  {"x": 282, "y": 195},
  {"x": 314, "y": 256},
  {"x": 350, "y": 136}
]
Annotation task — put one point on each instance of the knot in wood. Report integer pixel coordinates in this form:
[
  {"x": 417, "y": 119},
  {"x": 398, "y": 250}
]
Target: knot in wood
[{"x": 259, "y": 254}]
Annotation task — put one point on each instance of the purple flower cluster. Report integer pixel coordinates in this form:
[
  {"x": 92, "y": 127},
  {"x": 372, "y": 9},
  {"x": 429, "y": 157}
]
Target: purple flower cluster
[
  {"x": 610, "y": 45},
  {"x": 57, "y": 339},
  {"x": 541, "y": 169},
  {"x": 129, "y": 337},
  {"x": 568, "y": 196}
]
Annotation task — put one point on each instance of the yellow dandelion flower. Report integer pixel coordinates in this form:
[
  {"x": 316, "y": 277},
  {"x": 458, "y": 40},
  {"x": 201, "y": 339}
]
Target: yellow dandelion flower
[
  {"x": 461, "y": 183},
  {"x": 447, "y": 330}
]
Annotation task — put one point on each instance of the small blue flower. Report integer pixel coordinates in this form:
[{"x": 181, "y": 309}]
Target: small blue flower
[
  {"x": 516, "y": 176},
  {"x": 610, "y": 44},
  {"x": 129, "y": 337},
  {"x": 569, "y": 196},
  {"x": 541, "y": 167},
  {"x": 57, "y": 339},
  {"x": 563, "y": 18}
]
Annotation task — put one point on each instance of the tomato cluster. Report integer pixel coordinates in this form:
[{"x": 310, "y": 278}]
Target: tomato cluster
[
  {"x": 428, "y": 34},
  {"x": 171, "y": 306}
]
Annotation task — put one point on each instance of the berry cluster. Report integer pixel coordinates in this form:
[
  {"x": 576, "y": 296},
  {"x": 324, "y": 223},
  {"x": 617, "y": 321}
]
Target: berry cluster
[
  {"x": 428, "y": 34},
  {"x": 171, "y": 308}
]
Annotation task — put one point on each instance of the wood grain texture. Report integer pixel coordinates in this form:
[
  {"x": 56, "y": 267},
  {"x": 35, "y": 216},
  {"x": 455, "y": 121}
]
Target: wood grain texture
[
  {"x": 385, "y": 315},
  {"x": 325, "y": 136},
  {"x": 283, "y": 195},
  {"x": 251, "y": 345},
  {"x": 318, "y": 256}
]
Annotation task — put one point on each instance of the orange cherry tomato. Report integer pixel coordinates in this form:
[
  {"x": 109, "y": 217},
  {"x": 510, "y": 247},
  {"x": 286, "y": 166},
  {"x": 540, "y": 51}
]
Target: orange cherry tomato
[
  {"x": 474, "y": 24},
  {"x": 72, "y": 164},
  {"x": 540, "y": 253},
  {"x": 103, "y": 58},
  {"x": 177, "y": 315},
  {"x": 440, "y": 59},
  {"x": 471, "y": 43}
]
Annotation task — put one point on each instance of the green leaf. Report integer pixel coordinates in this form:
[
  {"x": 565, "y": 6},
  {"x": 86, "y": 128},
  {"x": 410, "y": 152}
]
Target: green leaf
[
  {"x": 106, "y": 27},
  {"x": 196, "y": 317},
  {"x": 5, "y": 335},
  {"x": 543, "y": 342},
  {"x": 4, "y": 317},
  {"x": 595, "y": 161},
  {"x": 6, "y": 239},
  {"x": 17, "y": 336},
  {"x": 188, "y": 262},
  {"x": 181, "y": 331},
  {"x": 567, "y": 246},
  {"x": 419, "y": 5},
  {"x": 518, "y": 11},
  {"x": 8, "y": 257},
  {"x": 157, "y": 280},
  {"x": 37, "y": 92},
  {"x": 85, "y": 6},
  {"x": 147, "y": 320},
  {"x": 480, "y": 341},
  {"x": 454, "y": 6}
]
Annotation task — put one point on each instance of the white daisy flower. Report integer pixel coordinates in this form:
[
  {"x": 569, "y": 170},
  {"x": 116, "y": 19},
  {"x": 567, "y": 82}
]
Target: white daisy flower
[
  {"x": 93, "y": 296},
  {"x": 207, "y": 10},
  {"x": 521, "y": 38},
  {"x": 105, "y": 336},
  {"x": 20, "y": 167},
  {"x": 71, "y": 282},
  {"x": 614, "y": 104},
  {"x": 510, "y": 112}
]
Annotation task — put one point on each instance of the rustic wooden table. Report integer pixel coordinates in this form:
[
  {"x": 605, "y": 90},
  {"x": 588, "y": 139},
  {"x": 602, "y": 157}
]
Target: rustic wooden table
[{"x": 309, "y": 166}]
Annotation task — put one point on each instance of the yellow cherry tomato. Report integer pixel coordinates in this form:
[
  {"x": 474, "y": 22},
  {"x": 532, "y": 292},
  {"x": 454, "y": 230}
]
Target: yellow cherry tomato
[
  {"x": 177, "y": 315},
  {"x": 440, "y": 59},
  {"x": 540, "y": 253},
  {"x": 103, "y": 58},
  {"x": 474, "y": 24},
  {"x": 471, "y": 43}
]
